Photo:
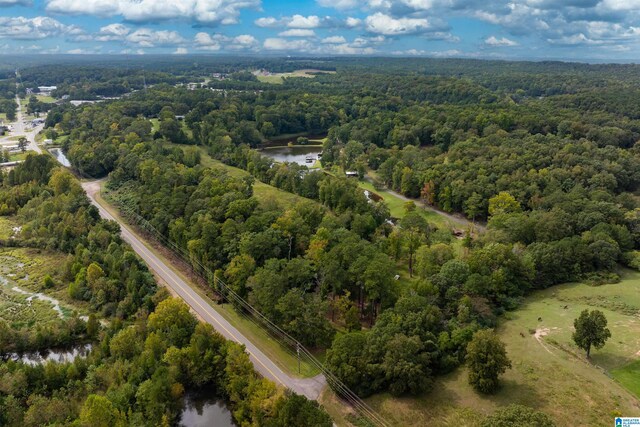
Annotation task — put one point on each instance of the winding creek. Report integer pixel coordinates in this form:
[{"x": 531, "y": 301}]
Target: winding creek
[
  {"x": 200, "y": 409},
  {"x": 8, "y": 283}
]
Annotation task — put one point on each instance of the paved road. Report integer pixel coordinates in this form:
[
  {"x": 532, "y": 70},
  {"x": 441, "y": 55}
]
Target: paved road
[
  {"x": 19, "y": 129},
  {"x": 310, "y": 387}
]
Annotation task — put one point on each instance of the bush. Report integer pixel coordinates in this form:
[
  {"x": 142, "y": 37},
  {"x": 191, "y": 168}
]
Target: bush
[
  {"x": 517, "y": 415},
  {"x": 631, "y": 259},
  {"x": 48, "y": 282}
]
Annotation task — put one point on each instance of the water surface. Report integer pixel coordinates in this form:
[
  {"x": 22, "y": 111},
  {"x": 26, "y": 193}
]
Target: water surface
[
  {"x": 204, "y": 409},
  {"x": 60, "y": 157},
  {"x": 296, "y": 154}
]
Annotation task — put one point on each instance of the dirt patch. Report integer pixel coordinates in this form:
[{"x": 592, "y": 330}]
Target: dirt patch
[{"x": 540, "y": 333}]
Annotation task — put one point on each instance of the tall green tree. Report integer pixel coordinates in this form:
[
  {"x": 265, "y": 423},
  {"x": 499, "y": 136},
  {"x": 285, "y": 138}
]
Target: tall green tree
[
  {"x": 486, "y": 359},
  {"x": 591, "y": 330}
]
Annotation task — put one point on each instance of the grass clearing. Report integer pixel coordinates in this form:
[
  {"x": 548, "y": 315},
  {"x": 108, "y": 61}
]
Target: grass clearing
[
  {"x": 155, "y": 126},
  {"x": 46, "y": 99},
  {"x": 396, "y": 206},
  {"x": 549, "y": 372},
  {"x": 14, "y": 157},
  {"x": 629, "y": 377},
  {"x": 278, "y": 78},
  {"x": 265, "y": 193}
]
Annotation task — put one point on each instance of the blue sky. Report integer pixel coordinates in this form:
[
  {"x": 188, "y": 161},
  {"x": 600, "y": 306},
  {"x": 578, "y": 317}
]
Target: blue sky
[{"x": 520, "y": 29}]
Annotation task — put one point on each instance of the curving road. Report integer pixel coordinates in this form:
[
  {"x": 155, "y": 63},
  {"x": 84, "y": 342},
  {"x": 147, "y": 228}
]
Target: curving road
[{"x": 309, "y": 387}]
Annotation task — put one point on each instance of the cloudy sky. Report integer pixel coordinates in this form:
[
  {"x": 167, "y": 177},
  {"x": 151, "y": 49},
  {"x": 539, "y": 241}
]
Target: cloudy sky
[{"x": 530, "y": 29}]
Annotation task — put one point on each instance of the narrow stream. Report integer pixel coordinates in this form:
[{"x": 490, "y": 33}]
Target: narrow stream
[{"x": 31, "y": 295}]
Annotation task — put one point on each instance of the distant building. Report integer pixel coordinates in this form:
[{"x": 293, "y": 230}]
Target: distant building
[
  {"x": 48, "y": 141},
  {"x": 46, "y": 90},
  {"x": 351, "y": 173}
]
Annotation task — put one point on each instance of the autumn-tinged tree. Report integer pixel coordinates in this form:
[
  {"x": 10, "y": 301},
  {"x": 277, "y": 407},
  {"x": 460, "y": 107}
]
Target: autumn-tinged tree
[
  {"x": 503, "y": 203},
  {"x": 414, "y": 228}
]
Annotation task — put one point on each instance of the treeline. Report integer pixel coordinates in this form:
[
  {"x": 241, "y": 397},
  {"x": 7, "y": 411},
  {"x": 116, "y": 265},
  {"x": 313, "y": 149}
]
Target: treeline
[
  {"x": 101, "y": 269},
  {"x": 8, "y": 104},
  {"x": 137, "y": 375},
  {"x": 90, "y": 82},
  {"x": 554, "y": 180},
  {"x": 149, "y": 351}
]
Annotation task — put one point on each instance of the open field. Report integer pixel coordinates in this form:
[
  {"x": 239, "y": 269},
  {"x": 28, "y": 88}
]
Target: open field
[
  {"x": 46, "y": 99},
  {"x": 155, "y": 126},
  {"x": 396, "y": 206},
  {"x": 20, "y": 156},
  {"x": 6, "y": 226},
  {"x": 549, "y": 372},
  {"x": 278, "y": 78}
]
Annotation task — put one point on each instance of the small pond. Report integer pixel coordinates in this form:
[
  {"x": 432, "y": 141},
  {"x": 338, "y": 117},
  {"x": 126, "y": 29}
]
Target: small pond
[
  {"x": 299, "y": 154},
  {"x": 203, "y": 409},
  {"x": 60, "y": 157},
  {"x": 53, "y": 355}
]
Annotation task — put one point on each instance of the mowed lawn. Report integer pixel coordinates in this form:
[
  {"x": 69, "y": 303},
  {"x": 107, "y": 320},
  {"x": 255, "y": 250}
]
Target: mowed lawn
[
  {"x": 396, "y": 206},
  {"x": 549, "y": 372}
]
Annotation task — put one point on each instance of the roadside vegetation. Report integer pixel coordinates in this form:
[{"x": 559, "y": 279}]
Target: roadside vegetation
[
  {"x": 544, "y": 154},
  {"x": 67, "y": 279}
]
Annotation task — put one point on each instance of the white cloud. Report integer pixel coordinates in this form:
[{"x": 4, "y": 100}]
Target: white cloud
[
  {"x": 336, "y": 45},
  {"x": 112, "y": 32},
  {"x": 306, "y": 22},
  {"x": 181, "y": 51},
  {"x": 267, "y": 22},
  {"x": 81, "y": 51},
  {"x": 379, "y": 23},
  {"x": 299, "y": 21},
  {"x": 207, "y": 42},
  {"x": 334, "y": 40},
  {"x": 145, "y": 37},
  {"x": 216, "y": 42},
  {"x": 243, "y": 42},
  {"x": 286, "y": 44},
  {"x": 40, "y": 27},
  {"x": 353, "y": 22},
  {"x": 132, "y": 52},
  {"x": 205, "y": 11},
  {"x": 339, "y": 4},
  {"x": 297, "y": 32},
  {"x": 7, "y": 3},
  {"x": 493, "y": 41}
]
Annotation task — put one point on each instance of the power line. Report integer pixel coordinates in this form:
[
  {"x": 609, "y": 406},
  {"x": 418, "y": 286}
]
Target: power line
[{"x": 289, "y": 343}]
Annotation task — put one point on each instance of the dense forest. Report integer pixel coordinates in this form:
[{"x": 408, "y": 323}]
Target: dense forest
[
  {"x": 545, "y": 153},
  {"x": 148, "y": 349}
]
